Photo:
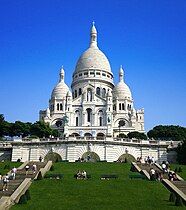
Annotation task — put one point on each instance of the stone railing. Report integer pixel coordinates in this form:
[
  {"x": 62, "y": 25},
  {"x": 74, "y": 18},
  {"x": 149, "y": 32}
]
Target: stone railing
[{"x": 86, "y": 138}]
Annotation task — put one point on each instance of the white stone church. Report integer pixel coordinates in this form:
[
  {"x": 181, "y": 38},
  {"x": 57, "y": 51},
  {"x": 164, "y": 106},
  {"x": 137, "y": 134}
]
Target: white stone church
[{"x": 94, "y": 105}]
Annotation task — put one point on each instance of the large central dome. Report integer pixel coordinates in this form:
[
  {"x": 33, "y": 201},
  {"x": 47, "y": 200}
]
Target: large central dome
[
  {"x": 93, "y": 64},
  {"x": 93, "y": 58}
]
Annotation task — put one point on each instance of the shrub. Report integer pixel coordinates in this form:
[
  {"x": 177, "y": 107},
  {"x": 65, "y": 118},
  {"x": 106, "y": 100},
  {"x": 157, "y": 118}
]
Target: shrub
[
  {"x": 179, "y": 201},
  {"x": 27, "y": 194},
  {"x": 39, "y": 177},
  {"x": 52, "y": 168},
  {"x": 172, "y": 197},
  {"x": 179, "y": 169},
  {"x": 54, "y": 176},
  {"x": 23, "y": 199}
]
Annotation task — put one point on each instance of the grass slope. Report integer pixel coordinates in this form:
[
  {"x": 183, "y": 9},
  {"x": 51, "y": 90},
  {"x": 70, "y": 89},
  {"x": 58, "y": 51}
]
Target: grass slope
[
  {"x": 93, "y": 194},
  {"x": 7, "y": 166}
]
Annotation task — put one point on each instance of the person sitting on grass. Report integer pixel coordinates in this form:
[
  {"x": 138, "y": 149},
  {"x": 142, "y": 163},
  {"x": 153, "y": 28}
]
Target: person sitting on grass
[
  {"x": 78, "y": 175},
  {"x": 84, "y": 174}
]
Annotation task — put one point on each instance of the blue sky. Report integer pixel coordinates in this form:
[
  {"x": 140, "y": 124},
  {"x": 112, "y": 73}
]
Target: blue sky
[{"x": 148, "y": 37}]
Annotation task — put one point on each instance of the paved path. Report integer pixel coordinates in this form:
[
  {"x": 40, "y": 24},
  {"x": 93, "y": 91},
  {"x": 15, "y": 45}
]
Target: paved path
[{"x": 20, "y": 176}]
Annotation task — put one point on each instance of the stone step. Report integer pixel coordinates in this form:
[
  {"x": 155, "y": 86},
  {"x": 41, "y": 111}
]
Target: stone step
[{"x": 20, "y": 176}]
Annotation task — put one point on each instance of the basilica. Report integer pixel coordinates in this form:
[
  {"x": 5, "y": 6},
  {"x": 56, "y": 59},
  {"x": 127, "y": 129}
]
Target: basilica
[{"x": 94, "y": 106}]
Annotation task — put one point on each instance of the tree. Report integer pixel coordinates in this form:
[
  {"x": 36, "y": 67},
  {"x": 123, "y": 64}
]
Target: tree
[
  {"x": 169, "y": 132},
  {"x": 41, "y": 129},
  {"x": 2, "y": 120},
  {"x": 137, "y": 135},
  {"x": 181, "y": 153},
  {"x": 55, "y": 133},
  {"x": 4, "y": 126},
  {"x": 122, "y": 135}
]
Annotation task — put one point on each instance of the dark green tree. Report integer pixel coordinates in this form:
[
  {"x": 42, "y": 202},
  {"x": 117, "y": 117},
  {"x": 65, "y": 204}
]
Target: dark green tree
[
  {"x": 4, "y": 126},
  {"x": 41, "y": 129},
  {"x": 181, "y": 153},
  {"x": 122, "y": 135},
  {"x": 137, "y": 135},
  {"x": 55, "y": 133},
  {"x": 2, "y": 120},
  {"x": 168, "y": 132}
]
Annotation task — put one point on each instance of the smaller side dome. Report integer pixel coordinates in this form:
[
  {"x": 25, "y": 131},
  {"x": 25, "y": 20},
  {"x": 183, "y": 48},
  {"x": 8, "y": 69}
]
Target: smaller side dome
[
  {"x": 61, "y": 89},
  {"x": 121, "y": 90}
]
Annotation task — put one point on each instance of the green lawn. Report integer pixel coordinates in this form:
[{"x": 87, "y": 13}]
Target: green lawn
[
  {"x": 7, "y": 166},
  {"x": 119, "y": 194}
]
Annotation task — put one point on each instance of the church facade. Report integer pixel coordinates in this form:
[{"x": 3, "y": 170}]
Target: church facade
[{"x": 94, "y": 106}]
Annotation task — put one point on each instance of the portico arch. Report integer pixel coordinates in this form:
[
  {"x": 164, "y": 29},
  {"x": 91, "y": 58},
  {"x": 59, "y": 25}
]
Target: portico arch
[
  {"x": 126, "y": 158},
  {"x": 75, "y": 134},
  {"x": 88, "y": 135},
  {"x": 91, "y": 157},
  {"x": 55, "y": 157},
  {"x": 100, "y": 136}
]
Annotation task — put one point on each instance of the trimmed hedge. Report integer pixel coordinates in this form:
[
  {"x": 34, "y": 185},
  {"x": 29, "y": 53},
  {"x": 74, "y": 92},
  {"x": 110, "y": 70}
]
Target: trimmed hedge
[{"x": 54, "y": 176}]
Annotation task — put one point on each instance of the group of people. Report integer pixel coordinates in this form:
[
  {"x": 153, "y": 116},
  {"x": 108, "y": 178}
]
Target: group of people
[
  {"x": 12, "y": 175},
  {"x": 81, "y": 174},
  {"x": 33, "y": 169},
  {"x": 5, "y": 179},
  {"x": 155, "y": 175},
  {"x": 149, "y": 160}
]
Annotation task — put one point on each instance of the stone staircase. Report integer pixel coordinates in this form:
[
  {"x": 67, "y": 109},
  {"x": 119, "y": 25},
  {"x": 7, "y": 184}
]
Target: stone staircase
[
  {"x": 148, "y": 167},
  {"x": 20, "y": 176},
  {"x": 181, "y": 185},
  {"x": 178, "y": 188}
]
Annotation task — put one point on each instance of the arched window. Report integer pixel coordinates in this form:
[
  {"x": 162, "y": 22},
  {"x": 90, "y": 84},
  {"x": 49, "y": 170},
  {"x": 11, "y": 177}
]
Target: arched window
[
  {"x": 77, "y": 121},
  {"x": 100, "y": 115},
  {"x": 119, "y": 106},
  {"x": 123, "y": 106},
  {"x": 103, "y": 93},
  {"x": 61, "y": 106},
  {"x": 98, "y": 91},
  {"x": 80, "y": 91},
  {"x": 57, "y": 106},
  {"x": 75, "y": 95},
  {"x": 89, "y": 114},
  {"x": 100, "y": 121},
  {"x": 77, "y": 115}
]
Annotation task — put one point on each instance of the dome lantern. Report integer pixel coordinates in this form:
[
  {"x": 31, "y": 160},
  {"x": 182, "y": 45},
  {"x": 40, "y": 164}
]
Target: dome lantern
[
  {"x": 93, "y": 36},
  {"x": 62, "y": 75},
  {"x": 121, "y": 74}
]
